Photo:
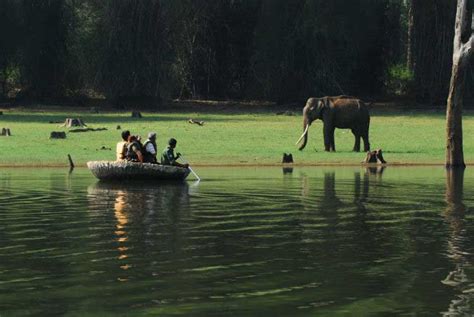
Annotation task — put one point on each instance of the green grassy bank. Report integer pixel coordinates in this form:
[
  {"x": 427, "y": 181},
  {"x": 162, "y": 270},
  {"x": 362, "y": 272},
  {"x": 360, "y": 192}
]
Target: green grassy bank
[{"x": 225, "y": 138}]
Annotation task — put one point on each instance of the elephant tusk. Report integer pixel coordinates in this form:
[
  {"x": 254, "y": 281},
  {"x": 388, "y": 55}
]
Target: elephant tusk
[{"x": 304, "y": 133}]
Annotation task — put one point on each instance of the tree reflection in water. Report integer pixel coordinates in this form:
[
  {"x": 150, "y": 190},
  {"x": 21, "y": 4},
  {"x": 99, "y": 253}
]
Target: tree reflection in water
[{"x": 463, "y": 304}]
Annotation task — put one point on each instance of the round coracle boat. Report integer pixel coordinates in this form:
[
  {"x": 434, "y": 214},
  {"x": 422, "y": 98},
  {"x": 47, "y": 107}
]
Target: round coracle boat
[{"x": 111, "y": 170}]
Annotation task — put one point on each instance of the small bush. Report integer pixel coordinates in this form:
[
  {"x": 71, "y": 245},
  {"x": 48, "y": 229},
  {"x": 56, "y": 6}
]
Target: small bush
[
  {"x": 400, "y": 80},
  {"x": 10, "y": 81}
]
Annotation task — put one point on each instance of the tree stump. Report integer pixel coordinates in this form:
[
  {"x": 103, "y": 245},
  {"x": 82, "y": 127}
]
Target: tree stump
[
  {"x": 374, "y": 157},
  {"x": 73, "y": 122},
  {"x": 6, "y": 132},
  {"x": 58, "y": 135},
  {"x": 136, "y": 114},
  {"x": 287, "y": 158}
]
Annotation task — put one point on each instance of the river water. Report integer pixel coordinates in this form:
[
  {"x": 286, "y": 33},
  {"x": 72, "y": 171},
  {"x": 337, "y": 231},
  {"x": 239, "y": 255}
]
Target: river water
[{"x": 242, "y": 242}]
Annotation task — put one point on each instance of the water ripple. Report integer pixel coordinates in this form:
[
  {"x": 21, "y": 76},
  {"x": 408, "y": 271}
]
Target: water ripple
[{"x": 320, "y": 241}]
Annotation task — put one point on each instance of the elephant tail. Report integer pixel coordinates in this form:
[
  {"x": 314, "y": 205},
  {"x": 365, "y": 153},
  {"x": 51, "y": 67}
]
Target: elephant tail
[
  {"x": 365, "y": 105},
  {"x": 369, "y": 104},
  {"x": 365, "y": 109}
]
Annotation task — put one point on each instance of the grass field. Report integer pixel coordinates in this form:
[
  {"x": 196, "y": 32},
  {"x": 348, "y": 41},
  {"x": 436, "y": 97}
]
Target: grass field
[{"x": 258, "y": 138}]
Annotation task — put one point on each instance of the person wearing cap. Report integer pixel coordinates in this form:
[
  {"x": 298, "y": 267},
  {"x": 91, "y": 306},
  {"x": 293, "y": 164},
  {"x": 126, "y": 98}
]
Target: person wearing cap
[
  {"x": 168, "y": 157},
  {"x": 150, "y": 149},
  {"x": 122, "y": 146}
]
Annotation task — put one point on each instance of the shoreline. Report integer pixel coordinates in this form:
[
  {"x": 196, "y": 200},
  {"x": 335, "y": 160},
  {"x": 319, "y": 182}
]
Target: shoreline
[{"x": 242, "y": 165}]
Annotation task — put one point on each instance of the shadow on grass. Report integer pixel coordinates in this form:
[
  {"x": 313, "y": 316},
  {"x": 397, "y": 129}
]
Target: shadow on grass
[
  {"x": 404, "y": 152},
  {"x": 111, "y": 119}
]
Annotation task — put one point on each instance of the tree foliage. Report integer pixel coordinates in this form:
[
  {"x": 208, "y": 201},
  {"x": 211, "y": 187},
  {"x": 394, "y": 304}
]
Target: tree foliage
[
  {"x": 143, "y": 51},
  {"x": 433, "y": 33}
]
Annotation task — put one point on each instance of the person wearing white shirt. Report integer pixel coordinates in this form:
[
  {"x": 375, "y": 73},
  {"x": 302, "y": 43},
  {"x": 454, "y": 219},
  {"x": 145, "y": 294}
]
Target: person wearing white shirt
[{"x": 150, "y": 148}]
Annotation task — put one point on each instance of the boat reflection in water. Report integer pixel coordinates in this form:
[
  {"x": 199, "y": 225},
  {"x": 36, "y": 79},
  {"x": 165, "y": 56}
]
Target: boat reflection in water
[{"x": 147, "y": 218}]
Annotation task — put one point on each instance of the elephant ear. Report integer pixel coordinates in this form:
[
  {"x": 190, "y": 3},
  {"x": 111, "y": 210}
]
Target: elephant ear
[{"x": 323, "y": 103}]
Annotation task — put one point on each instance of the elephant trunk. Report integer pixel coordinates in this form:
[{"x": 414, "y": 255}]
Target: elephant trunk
[{"x": 304, "y": 136}]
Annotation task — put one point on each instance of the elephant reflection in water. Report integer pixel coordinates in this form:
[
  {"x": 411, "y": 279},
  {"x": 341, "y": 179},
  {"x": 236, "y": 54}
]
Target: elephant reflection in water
[
  {"x": 373, "y": 174},
  {"x": 455, "y": 212},
  {"x": 141, "y": 211},
  {"x": 342, "y": 233},
  {"x": 329, "y": 198},
  {"x": 329, "y": 203}
]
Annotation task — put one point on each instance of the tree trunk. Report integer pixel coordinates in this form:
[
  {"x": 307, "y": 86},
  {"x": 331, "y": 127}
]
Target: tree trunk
[
  {"x": 454, "y": 191},
  {"x": 410, "y": 36},
  {"x": 73, "y": 122},
  {"x": 463, "y": 46}
]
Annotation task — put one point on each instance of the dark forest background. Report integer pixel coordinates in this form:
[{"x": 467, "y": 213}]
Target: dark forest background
[{"x": 147, "y": 51}]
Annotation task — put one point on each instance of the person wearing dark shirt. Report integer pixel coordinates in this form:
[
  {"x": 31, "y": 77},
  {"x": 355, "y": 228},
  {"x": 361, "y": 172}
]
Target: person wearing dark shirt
[
  {"x": 168, "y": 157},
  {"x": 134, "y": 150}
]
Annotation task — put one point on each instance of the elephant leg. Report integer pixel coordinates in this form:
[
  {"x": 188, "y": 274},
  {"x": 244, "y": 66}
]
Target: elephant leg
[
  {"x": 327, "y": 137},
  {"x": 332, "y": 146},
  {"x": 365, "y": 137},
  {"x": 357, "y": 140}
]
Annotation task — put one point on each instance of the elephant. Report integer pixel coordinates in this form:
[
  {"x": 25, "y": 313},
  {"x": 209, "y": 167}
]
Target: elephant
[{"x": 343, "y": 112}]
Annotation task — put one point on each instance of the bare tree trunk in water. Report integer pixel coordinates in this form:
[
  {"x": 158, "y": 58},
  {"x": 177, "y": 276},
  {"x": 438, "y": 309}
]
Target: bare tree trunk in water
[
  {"x": 455, "y": 218},
  {"x": 454, "y": 192},
  {"x": 463, "y": 46}
]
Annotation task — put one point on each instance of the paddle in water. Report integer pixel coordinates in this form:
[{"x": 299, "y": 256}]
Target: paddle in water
[{"x": 189, "y": 166}]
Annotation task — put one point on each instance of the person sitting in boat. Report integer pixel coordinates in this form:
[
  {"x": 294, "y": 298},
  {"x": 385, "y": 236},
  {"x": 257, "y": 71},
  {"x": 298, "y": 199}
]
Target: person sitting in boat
[
  {"x": 134, "y": 150},
  {"x": 149, "y": 149},
  {"x": 122, "y": 146},
  {"x": 168, "y": 157}
]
